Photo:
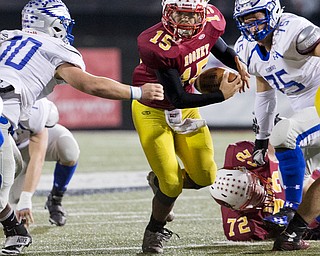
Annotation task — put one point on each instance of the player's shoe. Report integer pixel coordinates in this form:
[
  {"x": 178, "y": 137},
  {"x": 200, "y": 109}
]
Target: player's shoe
[
  {"x": 312, "y": 233},
  {"x": 151, "y": 176},
  {"x": 56, "y": 211},
  {"x": 289, "y": 242},
  {"x": 16, "y": 239},
  {"x": 153, "y": 241},
  {"x": 279, "y": 221}
]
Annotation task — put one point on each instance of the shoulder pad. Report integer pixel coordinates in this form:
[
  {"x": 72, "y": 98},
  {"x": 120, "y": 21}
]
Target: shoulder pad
[
  {"x": 308, "y": 39},
  {"x": 154, "y": 54},
  {"x": 215, "y": 18}
]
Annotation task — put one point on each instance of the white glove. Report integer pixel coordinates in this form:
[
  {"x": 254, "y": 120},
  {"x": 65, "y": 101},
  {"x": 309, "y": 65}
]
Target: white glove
[
  {"x": 260, "y": 152},
  {"x": 188, "y": 125}
]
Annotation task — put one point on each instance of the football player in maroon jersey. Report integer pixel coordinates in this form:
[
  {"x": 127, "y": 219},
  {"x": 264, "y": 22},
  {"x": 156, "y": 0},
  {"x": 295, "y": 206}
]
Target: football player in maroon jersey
[
  {"x": 243, "y": 213},
  {"x": 248, "y": 193},
  {"x": 174, "y": 52}
]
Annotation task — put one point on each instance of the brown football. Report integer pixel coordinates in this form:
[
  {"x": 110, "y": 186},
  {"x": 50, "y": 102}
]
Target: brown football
[{"x": 209, "y": 80}]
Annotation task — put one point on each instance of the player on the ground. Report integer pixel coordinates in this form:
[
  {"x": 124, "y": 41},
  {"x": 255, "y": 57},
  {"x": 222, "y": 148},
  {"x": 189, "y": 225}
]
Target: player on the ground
[
  {"x": 174, "y": 52},
  {"x": 248, "y": 193},
  {"x": 40, "y": 139},
  {"x": 259, "y": 195},
  {"x": 281, "y": 50},
  {"x": 32, "y": 61}
]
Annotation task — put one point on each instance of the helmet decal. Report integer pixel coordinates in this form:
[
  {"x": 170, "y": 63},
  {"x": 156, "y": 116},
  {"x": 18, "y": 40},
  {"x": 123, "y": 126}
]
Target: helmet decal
[{"x": 50, "y": 16}]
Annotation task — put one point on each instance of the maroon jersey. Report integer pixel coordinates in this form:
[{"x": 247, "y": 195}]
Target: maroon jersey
[
  {"x": 248, "y": 225},
  {"x": 158, "y": 50}
]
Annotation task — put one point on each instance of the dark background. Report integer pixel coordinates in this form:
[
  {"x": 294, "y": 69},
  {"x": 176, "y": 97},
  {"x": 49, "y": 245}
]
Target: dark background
[{"x": 115, "y": 23}]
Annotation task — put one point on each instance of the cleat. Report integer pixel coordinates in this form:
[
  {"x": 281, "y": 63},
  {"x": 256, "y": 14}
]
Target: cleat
[
  {"x": 16, "y": 239},
  {"x": 153, "y": 241},
  {"x": 279, "y": 221},
  {"x": 56, "y": 211},
  {"x": 312, "y": 233},
  {"x": 151, "y": 176},
  {"x": 289, "y": 242}
]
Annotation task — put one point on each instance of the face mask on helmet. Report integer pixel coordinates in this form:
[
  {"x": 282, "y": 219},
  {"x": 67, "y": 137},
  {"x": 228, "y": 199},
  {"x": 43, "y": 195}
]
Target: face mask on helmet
[
  {"x": 241, "y": 189},
  {"x": 260, "y": 28},
  {"x": 48, "y": 16},
  {"x": 184, "y": 18}
]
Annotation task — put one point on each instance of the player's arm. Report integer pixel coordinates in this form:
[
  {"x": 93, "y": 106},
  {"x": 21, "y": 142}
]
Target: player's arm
[
  {"x": 228, "y": 57},
  {"x": 105, "y": 87},
  {"x": 37, "y": 151},
  {"x": 308, "y": 41},
  {"x": 264, "y": 110},
  {"x": 170, "y": 79}
]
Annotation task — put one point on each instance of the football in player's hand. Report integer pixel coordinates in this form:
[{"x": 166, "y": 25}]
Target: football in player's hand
[{"x": 209, "y": 80}]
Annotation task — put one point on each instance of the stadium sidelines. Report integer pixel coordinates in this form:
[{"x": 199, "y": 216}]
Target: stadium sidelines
[{"x": 98, "y": 182}]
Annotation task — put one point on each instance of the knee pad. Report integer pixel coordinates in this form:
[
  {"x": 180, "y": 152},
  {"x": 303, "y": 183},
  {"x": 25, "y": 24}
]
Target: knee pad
[
  {"x": 68, "y": 150},
  {"x": 281, "y": 136}
]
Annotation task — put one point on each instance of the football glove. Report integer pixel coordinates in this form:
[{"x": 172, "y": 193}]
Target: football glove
[{"x": 260, "y": 151}]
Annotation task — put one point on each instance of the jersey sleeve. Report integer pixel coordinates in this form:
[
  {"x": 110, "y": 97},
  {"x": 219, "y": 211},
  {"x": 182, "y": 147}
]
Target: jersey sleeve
[
  {"x": 216, "y": 19},
  {"x": 70, "y": 55},
  {"x": 292, "y": 25}
]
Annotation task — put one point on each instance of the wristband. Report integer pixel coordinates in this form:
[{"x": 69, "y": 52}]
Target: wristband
[
  {"x": 136, "y": 92},
  {"x": 25, "y": 201}
]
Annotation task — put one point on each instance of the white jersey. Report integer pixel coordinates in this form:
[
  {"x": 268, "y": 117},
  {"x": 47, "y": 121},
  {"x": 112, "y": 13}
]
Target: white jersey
[
  {"x": 39, "y": 115},
  {"x": 28, "y": 63},
  {"x": 295, "y": 75}
]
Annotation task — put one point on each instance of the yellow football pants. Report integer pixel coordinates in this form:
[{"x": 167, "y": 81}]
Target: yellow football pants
[
  {"x": 162, "y": 146},
  {"x": 317, "y": 101}
]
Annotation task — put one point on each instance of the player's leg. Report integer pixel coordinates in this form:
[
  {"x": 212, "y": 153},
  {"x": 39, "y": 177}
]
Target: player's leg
[
  {"x": 196, "y": 152},
  {"x": 157, "y": 140},
  {"x": 291, "y": 238},
  {"x": 17, "y": 236},
  {"x": 64, "y": 149},
  {"x": 288, "y": 137}
]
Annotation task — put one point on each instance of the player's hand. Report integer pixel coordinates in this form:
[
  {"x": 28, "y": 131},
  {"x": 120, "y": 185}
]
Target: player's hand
[
  {"x": 228, "y": 89},
  {"x": 152, "y": 91},
  {"x": 25, "y": 216},
  {"x": 245, "y": 76},
  {"x": 260, "y": 151},
  {"x": 24, "y": 207}
]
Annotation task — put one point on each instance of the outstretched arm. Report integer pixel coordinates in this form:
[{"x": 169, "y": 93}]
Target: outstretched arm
[{"x": 105, "y": 87}]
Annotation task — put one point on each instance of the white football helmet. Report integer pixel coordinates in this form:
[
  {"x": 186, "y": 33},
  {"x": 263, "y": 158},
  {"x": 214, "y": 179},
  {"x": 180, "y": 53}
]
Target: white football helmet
[
  {"x": 272, "y": 10},
  {"x": 183, "y": 30},
  {"x": 239, "y": 189},
  {"x": 48, "y": 16}
]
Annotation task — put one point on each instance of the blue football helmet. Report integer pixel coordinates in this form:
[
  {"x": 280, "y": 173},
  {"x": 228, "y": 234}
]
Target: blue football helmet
[
  {"x": 272, "y": 10},
  {"x": 48, "y": 16}
]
